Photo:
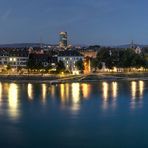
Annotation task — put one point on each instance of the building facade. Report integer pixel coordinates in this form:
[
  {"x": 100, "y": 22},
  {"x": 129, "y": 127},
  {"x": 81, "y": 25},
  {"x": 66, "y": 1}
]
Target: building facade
[
  {"x": 69, "y": 58},
  {"x": 14, "y": 58}
]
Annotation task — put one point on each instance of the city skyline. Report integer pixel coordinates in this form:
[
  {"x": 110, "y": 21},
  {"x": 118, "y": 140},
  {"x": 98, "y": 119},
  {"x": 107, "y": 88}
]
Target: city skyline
[{"x": 104, "y": 22}]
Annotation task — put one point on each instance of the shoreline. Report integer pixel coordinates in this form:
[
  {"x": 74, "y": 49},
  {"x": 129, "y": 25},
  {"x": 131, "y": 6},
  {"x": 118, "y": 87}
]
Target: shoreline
[{"x": 84, "y": 78}]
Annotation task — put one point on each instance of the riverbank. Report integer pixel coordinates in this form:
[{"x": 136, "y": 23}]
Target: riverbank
[
  {"x": 54, "y": 79},
  {"x": 38, "y": 78}
]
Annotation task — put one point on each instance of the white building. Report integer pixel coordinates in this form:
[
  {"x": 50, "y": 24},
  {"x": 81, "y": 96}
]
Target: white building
[{"x": 69, "y": 58}]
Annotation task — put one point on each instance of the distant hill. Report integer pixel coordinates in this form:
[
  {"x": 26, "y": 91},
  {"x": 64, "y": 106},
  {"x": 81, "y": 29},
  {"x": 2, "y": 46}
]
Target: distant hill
[
  {"x": 27, "y": 45},
  {"x": 21, "y": 45},
  {"x": 129, "y": 45}
]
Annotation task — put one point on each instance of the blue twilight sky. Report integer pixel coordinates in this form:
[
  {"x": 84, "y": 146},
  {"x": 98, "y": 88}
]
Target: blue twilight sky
[{"x": 105, "y": 22}]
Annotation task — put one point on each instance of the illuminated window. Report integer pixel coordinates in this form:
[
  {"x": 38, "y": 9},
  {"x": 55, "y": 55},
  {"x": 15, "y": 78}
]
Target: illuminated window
[{"x": 14, "y": 59}]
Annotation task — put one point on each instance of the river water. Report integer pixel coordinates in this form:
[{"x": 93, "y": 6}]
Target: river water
[{"x": 101, "y": 114}]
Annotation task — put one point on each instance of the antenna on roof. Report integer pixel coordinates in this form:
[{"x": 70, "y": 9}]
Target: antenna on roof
[
  {"x": 132, "y": 44},
  {"x": 41, "y": 42}
]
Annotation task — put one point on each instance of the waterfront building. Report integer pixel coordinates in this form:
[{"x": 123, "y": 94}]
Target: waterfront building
[
  {"x": 14, "y": 58},
  {"x": 3, "y": 57},
  {"x": 18, "y": 58},
  {"x": 69, "y": 58},
  {"x": 63, "y": 40},
  {"x": 43, "y": 60}
]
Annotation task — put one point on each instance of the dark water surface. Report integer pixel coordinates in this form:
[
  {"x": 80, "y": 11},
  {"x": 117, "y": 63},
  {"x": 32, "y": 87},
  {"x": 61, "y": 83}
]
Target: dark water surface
[{"x": 79, "y": 115}]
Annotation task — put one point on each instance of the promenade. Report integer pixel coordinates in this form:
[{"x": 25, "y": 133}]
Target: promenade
[{"x": 53, "y": 79}]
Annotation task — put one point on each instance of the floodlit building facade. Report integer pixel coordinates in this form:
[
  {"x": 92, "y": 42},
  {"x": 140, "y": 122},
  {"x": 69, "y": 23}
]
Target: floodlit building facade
[{"x": 69, "y": 58}]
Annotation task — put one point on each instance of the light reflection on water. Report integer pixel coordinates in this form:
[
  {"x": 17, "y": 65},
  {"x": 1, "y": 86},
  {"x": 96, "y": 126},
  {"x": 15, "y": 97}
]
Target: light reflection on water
[
  {"x": 114, "y": 90},
  {"x": 137, "y": 92},
  {"x": 44, "y": 92},
  {"x": 75, "y": 97},
  {"x": 75, "y": 92},
  {"x": 133, "y": 89},
  {"x": 72, "y": 95},
  {"x": 141, "y": 88},
  {"x": 13, "y": 100},
  {"x": 30, "y": 91},
  {"x": 105, "y": 91},
  {"x": 82, "y": 112},
  {"x": 114, "y": 94},
  {"x": 62, "y": 93},
  {"x": 105, "y": 95},
  {"x": 52, "y": 89},
  {"x": 86, "y": 90},
  {"x": 0, "y": 92},
  {"x": 109, "y": 94}
]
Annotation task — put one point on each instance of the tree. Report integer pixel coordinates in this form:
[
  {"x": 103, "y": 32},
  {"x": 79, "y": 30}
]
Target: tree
[
  {"x": 34, "y": 65},
  {"x": 19, "y": 68},
  {"x": 60, "y": 66},
  {"x": 128, "y": 58},
  {"x": 94, "y": 64},
  {"x": 108, "y": 56},
  {"x": 80, "y": 65},
  {"x": 39, "y": 65},
  {"x": 47, "y": 68},
  {"x": 30, "y": 64},
  {"x": 121, "y": 58},
  {"x": 8, "y": 68}
]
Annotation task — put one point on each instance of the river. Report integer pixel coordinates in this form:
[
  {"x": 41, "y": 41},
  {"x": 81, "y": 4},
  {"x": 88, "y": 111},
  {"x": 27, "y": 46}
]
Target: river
[{"x": 100, "y": 114}]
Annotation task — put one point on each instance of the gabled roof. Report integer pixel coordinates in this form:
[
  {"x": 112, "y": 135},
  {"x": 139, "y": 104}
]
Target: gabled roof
[
  {"x": 13, "y": 52},
  {"x": 70, "y": 53}
]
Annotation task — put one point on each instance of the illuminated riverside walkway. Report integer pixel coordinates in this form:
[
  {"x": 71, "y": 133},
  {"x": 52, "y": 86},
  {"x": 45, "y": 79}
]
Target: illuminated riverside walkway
[
  {"x": 69, "y": 79},
  {"x": 98, "y": 77},
  {"x": 54, "y": 79}
]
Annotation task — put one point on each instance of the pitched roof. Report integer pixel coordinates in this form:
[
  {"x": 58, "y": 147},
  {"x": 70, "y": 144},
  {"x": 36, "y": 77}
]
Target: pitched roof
[{"x": 69, "y": 53}]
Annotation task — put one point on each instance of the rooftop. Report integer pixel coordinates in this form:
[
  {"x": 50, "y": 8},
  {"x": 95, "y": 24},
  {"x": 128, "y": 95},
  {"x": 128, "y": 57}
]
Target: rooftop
[{"x": 69, "y": 53}]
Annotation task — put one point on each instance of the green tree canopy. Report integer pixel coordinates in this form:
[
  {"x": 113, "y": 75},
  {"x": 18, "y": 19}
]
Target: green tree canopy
[
  {"x": 80, "y": 65},
  {"x": 60, "y": 66},
  {"x": 94, "y": 63}
]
